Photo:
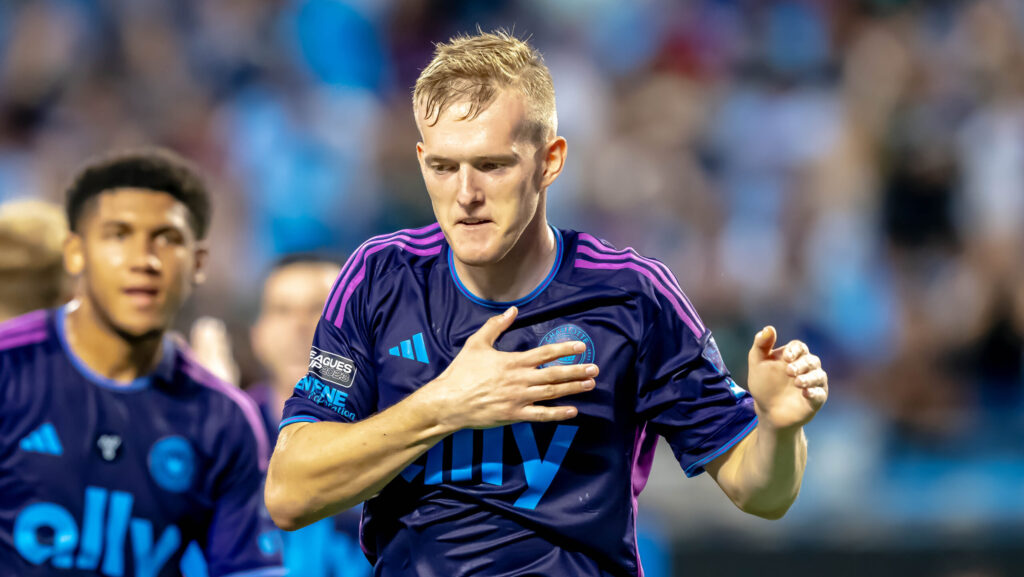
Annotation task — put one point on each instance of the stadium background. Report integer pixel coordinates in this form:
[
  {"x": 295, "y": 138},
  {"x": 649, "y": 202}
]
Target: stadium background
[{"x": 849, "y": 171}]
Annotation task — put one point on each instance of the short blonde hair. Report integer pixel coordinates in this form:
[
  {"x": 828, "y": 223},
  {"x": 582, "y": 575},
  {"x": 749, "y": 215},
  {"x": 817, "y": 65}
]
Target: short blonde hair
[
  {"x": 474, "y": 68},
  {"x": 32, "y": 276}
]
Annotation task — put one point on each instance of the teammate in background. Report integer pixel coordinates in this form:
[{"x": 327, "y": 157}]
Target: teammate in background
[
  {"x": 517, "y": 443},
  {"x": 32, "y": 234},
  {"x": 293, "y": 296},
  {"x": 120, "y": 450}
]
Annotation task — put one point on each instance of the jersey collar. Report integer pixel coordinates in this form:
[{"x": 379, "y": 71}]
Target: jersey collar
[
  {"x": 164, "y": 370},
  {"x": 518, "y": 302}
]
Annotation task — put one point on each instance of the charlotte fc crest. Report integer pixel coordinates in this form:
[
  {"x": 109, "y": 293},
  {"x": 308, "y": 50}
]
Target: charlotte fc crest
[{"x": 566, "y": 333}]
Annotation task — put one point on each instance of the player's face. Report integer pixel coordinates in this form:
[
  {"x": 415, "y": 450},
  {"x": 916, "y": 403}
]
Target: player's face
[
  {"x": 486, "y": 177},
  {"x": 293, "y": 298},
  {"x": 138, "y": 259}
]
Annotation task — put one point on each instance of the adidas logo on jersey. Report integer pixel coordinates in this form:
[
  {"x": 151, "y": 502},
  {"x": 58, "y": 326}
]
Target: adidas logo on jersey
[
  {"x": 414, "y": 349},
  {"x": 43, "y": 440}
]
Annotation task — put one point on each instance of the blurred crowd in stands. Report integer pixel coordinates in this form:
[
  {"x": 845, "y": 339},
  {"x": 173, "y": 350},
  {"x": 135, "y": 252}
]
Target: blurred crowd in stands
[{"x": 851, "y": 171}]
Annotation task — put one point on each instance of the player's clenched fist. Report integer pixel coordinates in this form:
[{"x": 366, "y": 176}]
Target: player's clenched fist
[
  {"x": 788, "y": 383},
  {"x": 484, "y": 387}
]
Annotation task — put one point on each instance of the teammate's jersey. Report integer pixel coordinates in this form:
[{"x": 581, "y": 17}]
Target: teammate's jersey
[
  {"x": 329, "y": 547},
  {"x": 143, "y": 479},
  {"x": 528, "y": 498}
]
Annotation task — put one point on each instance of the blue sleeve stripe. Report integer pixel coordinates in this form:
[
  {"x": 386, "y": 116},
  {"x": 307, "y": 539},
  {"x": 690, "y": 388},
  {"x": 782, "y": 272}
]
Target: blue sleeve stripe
[
  {"x": 299, "y": 419},
  {"x": 261, "y": 572},
  {"x": 732, "y": 442}
]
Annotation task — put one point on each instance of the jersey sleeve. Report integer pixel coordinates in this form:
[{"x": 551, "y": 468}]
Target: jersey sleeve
[
  {"x": 340, "y": 384},
  {"x": 242, "y": 540},
  {"x": 684, "y": 391}
]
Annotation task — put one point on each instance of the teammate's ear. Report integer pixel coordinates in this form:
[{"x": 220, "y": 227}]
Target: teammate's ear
[
  {"x": 74, "y": 254},
  {"x": 554, "y": 160},
  {"x": 199, "y": 272}
]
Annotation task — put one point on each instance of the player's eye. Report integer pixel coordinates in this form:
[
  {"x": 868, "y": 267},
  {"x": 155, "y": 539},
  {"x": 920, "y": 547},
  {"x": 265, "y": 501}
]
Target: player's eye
[
  {"x": 170, "y": 238},
  {"x": 443, "y": 168},
  {"x": 116, "y": 232}
]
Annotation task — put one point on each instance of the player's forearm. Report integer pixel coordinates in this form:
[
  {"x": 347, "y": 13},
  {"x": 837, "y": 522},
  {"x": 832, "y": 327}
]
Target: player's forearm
[
  {"x": 320, "y": 469},
  {"x": 763, "y": 477}
]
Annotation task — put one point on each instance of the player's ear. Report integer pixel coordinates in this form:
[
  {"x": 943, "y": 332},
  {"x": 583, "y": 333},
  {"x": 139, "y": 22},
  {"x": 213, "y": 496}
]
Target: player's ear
[
  {"x": 199, "y": 270},
  {"x": 554, "y": 152},
  {"x": 74, "y": 254},
  {"x": 419, "y": 152}
]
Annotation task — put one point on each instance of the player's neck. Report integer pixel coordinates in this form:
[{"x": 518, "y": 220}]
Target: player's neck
[
  {"x": 521, "y": 271},
  {"x": 104, "y": 351}
]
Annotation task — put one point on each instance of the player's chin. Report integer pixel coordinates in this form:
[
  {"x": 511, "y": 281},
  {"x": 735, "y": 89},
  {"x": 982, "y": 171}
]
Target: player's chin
[{"x": 137, "y": 325}]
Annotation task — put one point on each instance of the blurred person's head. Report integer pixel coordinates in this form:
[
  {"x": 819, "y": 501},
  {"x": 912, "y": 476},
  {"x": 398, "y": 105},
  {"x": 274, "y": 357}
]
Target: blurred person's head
[
  {"x": 294, "y": 293},
  {"x": 32, "y": 235},
  {"x": 485, "y": 109},
  {"x": 137, "y": 223}
]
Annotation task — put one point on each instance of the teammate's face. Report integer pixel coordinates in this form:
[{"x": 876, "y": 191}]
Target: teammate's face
[
  {"x": 138, "y": 259},
  {"x": 486, "y": 177},
  {"x": 293, "y": 297}
]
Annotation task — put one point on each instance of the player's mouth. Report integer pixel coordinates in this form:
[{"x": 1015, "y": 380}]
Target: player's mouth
[
  {"x": 473, "y": 223},
  {"x": 142, "y": 296}
]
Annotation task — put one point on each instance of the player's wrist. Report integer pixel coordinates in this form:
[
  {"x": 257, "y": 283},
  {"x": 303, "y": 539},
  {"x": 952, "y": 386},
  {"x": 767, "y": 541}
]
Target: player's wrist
[{"x": 433, "y": 414}]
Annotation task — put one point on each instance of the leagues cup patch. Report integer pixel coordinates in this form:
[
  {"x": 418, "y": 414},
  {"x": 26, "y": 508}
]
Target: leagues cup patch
[
  {"x": 332, "y": 368},
  {"x": 566, "y": 333}
]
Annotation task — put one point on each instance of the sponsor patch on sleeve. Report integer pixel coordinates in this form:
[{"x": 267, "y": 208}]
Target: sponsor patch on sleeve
[{"x": 332, "y": 368}]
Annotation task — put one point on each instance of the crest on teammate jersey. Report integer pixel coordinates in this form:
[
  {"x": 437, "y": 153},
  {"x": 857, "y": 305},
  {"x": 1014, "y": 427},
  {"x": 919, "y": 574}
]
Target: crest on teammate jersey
[
  {"x": 566, "y": 333},
  {"x": 332, "y": 367},
  {"x": 172, "y": 463}
]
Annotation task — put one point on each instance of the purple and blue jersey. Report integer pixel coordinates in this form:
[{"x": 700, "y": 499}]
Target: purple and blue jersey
[
  {"x": 158, "y": 477},
  {"x": 327, "y": 548},
  {"x": 527, "y": 498}
]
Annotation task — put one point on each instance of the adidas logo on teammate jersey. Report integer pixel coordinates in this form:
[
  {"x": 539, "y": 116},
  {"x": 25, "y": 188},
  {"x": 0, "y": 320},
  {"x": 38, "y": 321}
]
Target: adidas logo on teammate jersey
[
  {"x": 414, "y": 349},
  {"x": 43, "y": 440}
]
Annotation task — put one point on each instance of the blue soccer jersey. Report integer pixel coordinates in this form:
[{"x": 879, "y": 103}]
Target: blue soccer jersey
[
  {"x": 327, "y": 548},
  {"x": 528, "y": 498},
  {"x": 143, "y": 480}
]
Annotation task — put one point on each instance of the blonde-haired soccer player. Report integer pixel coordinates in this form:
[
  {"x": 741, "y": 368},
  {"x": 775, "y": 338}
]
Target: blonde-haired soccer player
[
  {"x": 32, "y": 234},
  {"x": 515, "y": 443}
]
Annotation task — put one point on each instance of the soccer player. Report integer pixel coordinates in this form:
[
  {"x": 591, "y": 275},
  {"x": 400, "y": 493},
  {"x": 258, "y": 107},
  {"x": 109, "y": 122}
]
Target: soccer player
[
  {"x": 516, "y": 443},
  {"x": 293, "y": 295},
  {"x": 32, "y": 276},
  {"x": 120, "y": 451}
]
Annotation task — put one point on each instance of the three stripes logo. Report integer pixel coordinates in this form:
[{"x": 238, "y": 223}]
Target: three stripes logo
[
  {"x": 413, "y": 349},
  {"x": 43, "y": 440}
]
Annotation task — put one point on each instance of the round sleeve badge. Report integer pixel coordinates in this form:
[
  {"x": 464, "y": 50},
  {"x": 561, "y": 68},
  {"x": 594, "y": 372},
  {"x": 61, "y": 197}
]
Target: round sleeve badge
[
  {"x": 566, "y": 333},
  {"x": 172, "y": 463}
]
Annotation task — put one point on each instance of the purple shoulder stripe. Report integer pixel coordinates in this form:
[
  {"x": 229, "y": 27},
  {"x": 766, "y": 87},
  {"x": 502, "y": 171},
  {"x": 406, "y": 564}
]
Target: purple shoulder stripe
[
  {"x": 22, "y": 339},
  {"x": 30, "y": 322},
  {"x": 429, "y": 232},
  {"x": 249, "y": 409},
  {"x": 656, "y": 272},
  {"x": 580, "y": 263},
  {"x": 418, "y": 246}
]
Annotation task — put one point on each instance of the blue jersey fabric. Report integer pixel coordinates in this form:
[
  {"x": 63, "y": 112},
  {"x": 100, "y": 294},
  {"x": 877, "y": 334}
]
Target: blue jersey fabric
[
  {"x": 137, "y": 480},
  {"x": 327, "y": 548},
  {"x": 528, "y": 498}
]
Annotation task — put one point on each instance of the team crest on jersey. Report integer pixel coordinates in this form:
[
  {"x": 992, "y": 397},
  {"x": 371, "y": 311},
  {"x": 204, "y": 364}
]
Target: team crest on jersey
[
  {"x": 566, "y": 333},
  {"x": 332, "y": 368},
  {"x": 172, "y": 463}
]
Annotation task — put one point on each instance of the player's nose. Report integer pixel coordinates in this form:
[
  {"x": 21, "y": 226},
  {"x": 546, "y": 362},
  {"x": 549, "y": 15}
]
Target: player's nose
[{"x": 469, "y": 190}]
